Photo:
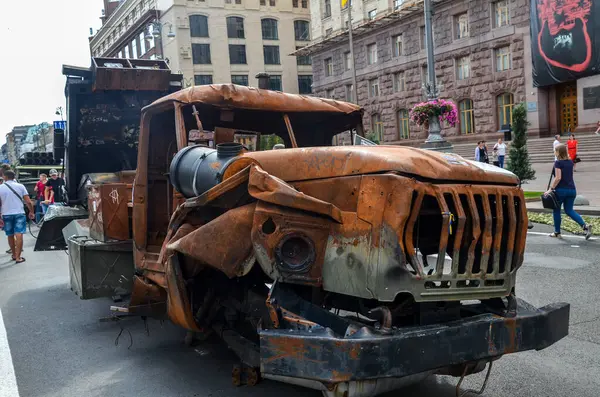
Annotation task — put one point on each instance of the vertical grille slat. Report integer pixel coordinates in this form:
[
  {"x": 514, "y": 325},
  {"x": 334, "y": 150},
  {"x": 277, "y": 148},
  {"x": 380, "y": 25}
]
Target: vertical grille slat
[
  {"x": 409, "y": 235},
  {"x": 512, "y": 225},
  {"x": 487, "y": 238},
  {"x": 476, "y": 233},
  {"x": 521, "y": 231},
  {"x": 439, "y": 268},
  {"x": 459, "y": 228},
  {"x": 498, "y": 234}
]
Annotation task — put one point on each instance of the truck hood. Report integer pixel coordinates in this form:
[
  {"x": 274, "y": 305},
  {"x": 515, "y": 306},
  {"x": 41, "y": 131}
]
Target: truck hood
[{"x": 337, "y": 161}]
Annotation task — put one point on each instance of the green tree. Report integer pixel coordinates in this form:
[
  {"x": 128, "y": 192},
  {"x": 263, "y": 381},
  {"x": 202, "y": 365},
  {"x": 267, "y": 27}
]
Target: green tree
[{"x": 519, "y": 162}]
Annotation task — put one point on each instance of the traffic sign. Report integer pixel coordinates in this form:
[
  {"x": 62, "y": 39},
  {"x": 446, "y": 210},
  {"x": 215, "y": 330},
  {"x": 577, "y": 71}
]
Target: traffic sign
[{"x": 60, "y": 125}]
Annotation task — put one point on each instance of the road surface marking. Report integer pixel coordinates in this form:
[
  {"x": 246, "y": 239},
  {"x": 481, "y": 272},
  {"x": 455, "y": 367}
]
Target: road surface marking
[
  {"x": 8, "y": 381},
  {"x": 563, "y": 236}
]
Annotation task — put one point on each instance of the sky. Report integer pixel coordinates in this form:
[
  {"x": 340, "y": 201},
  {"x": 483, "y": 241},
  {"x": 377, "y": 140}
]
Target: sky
[{"x": 38, "y": 37}]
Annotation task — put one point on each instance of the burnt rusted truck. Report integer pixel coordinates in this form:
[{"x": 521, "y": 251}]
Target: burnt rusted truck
[
  {"x": 104, "y": 104},
  {"x": 352, "y": 270}
]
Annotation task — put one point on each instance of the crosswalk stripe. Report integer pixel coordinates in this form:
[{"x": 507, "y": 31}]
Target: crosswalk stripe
[{"x": 8, "y": 381}]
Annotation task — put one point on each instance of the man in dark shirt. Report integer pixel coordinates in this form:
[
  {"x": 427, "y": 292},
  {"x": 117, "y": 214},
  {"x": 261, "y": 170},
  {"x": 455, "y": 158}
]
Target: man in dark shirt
[{"x": 54, "y": 190}]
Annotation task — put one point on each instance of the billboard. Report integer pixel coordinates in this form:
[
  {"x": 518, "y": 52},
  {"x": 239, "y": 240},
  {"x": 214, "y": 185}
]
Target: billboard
[{"x": 565, "y": 40}]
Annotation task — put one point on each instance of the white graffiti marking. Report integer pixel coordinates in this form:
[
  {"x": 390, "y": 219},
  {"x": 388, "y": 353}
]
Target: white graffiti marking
[
  {"x": 563, "y": 40},
  {"x": 114, "y": 195}
]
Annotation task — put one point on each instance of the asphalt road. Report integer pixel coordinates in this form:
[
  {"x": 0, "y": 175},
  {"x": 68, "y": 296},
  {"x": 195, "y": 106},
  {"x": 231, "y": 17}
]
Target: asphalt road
[{"x": 59, "y": 348}]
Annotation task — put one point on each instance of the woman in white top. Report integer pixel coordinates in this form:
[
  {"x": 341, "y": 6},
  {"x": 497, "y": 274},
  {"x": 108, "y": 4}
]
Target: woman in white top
[{"x": 501, "y": 148}]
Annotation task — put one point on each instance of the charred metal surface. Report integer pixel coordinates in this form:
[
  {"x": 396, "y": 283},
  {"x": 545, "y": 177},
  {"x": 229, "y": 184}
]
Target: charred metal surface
[{"x": 319, "y": 355}]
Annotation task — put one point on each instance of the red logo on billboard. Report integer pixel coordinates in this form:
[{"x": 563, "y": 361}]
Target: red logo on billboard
[{"x": 560, "y": 16}]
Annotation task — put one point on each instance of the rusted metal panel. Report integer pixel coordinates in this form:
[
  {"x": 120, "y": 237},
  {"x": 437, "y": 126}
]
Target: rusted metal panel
[
  {"x": 130, "y": 74},
  {"x": 109, "y": 215}
]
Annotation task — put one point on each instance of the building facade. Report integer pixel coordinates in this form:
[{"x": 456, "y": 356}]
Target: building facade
[
  {"x": 213, "y": 41},
  {"x": 483, "y": 63}
]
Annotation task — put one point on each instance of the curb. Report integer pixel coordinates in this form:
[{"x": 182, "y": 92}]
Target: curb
[{"x": 580, "y": 211}]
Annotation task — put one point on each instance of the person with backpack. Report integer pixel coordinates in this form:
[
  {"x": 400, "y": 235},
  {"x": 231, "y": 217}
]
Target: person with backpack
[{"x": 13, "y": 200}]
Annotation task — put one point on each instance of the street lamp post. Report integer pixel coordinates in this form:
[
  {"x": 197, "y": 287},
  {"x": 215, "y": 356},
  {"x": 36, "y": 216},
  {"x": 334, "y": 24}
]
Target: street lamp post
[{"x": 435, "y": 140}]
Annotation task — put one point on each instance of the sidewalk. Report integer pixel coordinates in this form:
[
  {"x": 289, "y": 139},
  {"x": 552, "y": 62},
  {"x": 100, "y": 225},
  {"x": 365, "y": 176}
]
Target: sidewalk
[{"x": 587, "y": 180}]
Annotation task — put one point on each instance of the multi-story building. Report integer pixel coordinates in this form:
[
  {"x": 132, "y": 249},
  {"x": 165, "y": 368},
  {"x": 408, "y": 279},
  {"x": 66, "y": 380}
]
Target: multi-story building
[
  {"x": 213, "y": 41},
  {"x": 483, "y": 63},
  {"x": 14, "y": 141}
]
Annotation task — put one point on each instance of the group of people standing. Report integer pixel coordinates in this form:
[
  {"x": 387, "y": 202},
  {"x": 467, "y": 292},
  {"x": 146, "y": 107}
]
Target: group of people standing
[
  {"x": 16, "y": 205},
  {"x": 498, "y": 153}
]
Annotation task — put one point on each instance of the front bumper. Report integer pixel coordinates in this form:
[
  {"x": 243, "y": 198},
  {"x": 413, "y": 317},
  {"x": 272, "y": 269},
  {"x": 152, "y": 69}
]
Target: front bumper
[{"x": 320, "y": 354}]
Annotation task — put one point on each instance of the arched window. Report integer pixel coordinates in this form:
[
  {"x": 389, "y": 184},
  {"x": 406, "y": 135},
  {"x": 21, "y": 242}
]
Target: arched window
[
  {"x": 467, "y": 122},
  {"x": 198, "y": 26},
  {"x": 302, "y": 30},
  {"x": 235, "y": 27},
  {"x": 269, "y": 29},
  {"x": 505, "y": 104},
  {"x": 402, "y": 121},
  {"x": 377, "y": 126}
]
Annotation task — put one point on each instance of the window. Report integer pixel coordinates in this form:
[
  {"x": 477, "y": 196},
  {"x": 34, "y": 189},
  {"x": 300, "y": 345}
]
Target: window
[
  {"x": 198, "y": 26},
  {"x": 238, "y": 1},
  {"x": 467, "y": 125},
  {"x": 272, "y": 3},
  {"x": 397, "y": 45},
  {"x": 462, "y": 68},
  {"x": 424, "y": 74},
  {"x": 134, "y": 49},
  {"x": 505, "y": 109},
  {"x": 263, "y": 2},
  {"x": 235, "y": 27},
  {"x": 329, "y": 94},
  {"x": 461, "y": 23},
  {"x": 239, "y": 79},
  {"x": 402, "y": 124},
  {"x": 327, "y": 10},
  {"x": 399, "y": 82},
  {"x": 301, "y": 30},
  {"x": 303, "y": 59},
  {"x": 120, "y": 54},
  {"x": 502, "y": 58},
  {"x": 237, "y": 54},
  {"x": 347, "y": 60},
  {"x": 501, "y": 14},
  {"x": 271, "y": 54},
  {"x": 305, "y": 84},
  {"x": 200, "y": 54},
  {"x": 371, "y": 54},
  {"x": 304, "y": 3},
  {"x": 203, "y": 79},
  {"x": 349, "y": 92},
  {"x": 372, "y": 14},
  {"x": 143, "y": 45},
  {"x": 328, "y": 32},
  {"x": 227, "y": 1},
  {"x": 295, "y": 3},
  {"x": 328, "y": 63},
  {"x": 126, "y": 49},
  {"x": 373, "y": 88},
  {"x": 377, "y": 126},
  {"x": 269, "y": 29},
  {"x": 398, "y": 4},
  {"x": 150, "y": 43},
  {"x": 275, "y": 83}
]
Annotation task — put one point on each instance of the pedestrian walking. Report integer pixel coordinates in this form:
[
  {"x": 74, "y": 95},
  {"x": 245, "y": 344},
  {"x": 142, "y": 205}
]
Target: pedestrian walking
[
  {"x": 564, "y": 188},
  {"x": 13, "y": 198},
  {"x": 40, "y": 189},
  {"x": 500, "y": 146},
  {"x": 555, "y": 144},
  {"x": 597, "y": 132},
  {"x": 572, "y": 148},
  {"x": 483, "y": 153},
  {"x": 476, "y": 157}
]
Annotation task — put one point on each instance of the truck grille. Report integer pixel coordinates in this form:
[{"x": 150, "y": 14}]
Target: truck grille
[{"x": 465, "y": 240}]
